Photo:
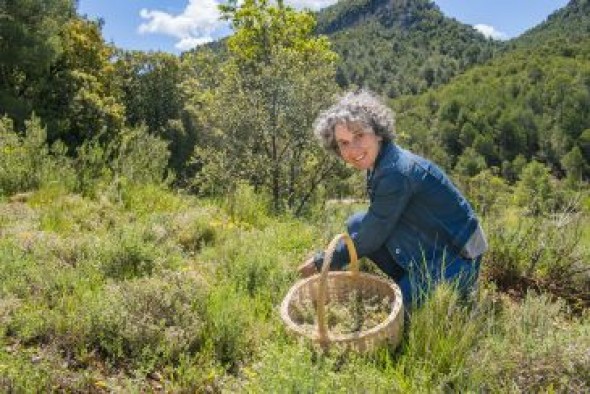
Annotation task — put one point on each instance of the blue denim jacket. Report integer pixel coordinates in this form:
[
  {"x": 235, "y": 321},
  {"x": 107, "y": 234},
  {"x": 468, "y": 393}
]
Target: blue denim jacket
[{"x": 415, "y": 211}]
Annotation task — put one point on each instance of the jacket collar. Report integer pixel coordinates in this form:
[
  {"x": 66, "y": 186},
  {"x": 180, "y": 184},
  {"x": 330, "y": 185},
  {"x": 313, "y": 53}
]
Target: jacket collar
[{"x": 386, "y": 148}]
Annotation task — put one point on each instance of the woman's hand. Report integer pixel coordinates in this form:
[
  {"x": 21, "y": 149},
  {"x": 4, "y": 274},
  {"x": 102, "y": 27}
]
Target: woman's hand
[{"x": 308, "y": 268}]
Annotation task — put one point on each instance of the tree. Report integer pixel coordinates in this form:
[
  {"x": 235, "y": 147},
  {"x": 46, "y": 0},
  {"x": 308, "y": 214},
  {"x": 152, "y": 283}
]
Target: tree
[
  {"x": 29, "y": 44},
  {"x": 575, "y": 167},
  {"x": 152, "y": 92},
  {"x": 470, "y": 163},
  {"x": 534, "y": 191},
  {"x": 277, "y": 78},
  {"x": 78, "y": 98}
]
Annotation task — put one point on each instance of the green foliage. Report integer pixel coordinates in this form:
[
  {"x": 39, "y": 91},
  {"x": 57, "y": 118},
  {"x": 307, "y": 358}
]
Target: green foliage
[
  {"x": 140, "y": 157},
  {"x": 150, "y": 320},
  {"x": 134, "y": 157},
  {"x": 487, "y": 192},
  {"x": 245, "y": 206},
  {"x": 153, "y": 87},
  {"x": 470, "y": 163},
  {"x": 28, "y": 162},
  {"x": 30, "y": 45},
  {"x": 400, "y": 47},
  {"x": 296, "y": 367},
  {"x": 441, "y": 337},
  {"x": 78, "y": 99},
  {"x": 276, "y": 79},
  {"x": 231, "y": 328},
  {"x": 570, "y": 21},
  {"x": 128, "y": 287},
  {"x": 195, "y": 228},
  {"x": 99, "y": 293},
  {"x": 535, "y": 191},
  {"x": 527, "y": 348},
  {"x": 145, "y": 199},
  {"x": 531, "y": 102},
  {"x": 544, "y": 249},
  {"x": 575, "y": 167},
  {"x": 128, "y": 255}
]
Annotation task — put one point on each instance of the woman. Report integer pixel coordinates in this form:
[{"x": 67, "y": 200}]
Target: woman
[{"x": 418, "y": 229}]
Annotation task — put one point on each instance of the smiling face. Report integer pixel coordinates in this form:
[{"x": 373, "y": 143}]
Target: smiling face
[{"x": 358, "y": 145}]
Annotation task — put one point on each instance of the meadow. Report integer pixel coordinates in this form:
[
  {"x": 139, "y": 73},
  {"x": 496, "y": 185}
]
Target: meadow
[{"x": 142, "y": 289}]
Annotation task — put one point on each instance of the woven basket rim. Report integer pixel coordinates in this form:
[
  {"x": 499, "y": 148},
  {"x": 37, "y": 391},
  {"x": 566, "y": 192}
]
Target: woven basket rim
[{"x": 348, "y": 337}]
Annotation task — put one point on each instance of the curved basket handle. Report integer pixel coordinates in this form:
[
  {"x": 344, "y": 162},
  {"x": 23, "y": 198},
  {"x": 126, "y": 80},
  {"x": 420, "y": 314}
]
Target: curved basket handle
[{"x": 354, "y": 267}]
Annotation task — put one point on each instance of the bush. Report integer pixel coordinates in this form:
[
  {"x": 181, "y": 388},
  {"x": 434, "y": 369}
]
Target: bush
[
  {"x": 148, "y": 199},
  {"x": 133, "y": 157},
  {"x": 549, "y": 249},
  {"x": 244, "y": 205},
  {"x": 532, "y": 347},
  {"x": 141, "y": 157},
  {"x": 127, "y": 253},
  {"x": 284, "y": 366},
  {"x": 28, "y": 162},
  {"x": 197, "y": 227},
  {"x": 147, "y": 322},
  {"x": 230, "y": 329},
  {"x": 440, "y": 338}
]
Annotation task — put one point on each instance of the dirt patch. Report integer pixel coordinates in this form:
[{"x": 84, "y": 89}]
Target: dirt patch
[{"x": 516, "y": 286}]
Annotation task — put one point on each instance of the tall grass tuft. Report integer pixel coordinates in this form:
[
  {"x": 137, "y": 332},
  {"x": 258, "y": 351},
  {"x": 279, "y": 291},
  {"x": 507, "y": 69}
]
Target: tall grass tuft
[
  {"x": 533, "y": 347},
  {"x": 440, "y": 336}
]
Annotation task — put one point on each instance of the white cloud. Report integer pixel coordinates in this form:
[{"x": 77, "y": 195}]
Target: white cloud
[
  {"x": 190, "y": 42},
  {"x": 490, "y": 31},
  {"x": 194, "y": 26},
  {"x": 199, "y": 22},
  {"x": 311, "y": 4}
]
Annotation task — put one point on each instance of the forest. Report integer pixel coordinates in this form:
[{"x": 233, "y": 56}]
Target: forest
[{"x": 154, "y": 207}]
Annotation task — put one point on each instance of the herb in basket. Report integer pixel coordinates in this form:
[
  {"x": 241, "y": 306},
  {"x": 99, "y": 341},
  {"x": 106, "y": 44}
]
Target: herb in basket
[{"x": 354, "y": 313}]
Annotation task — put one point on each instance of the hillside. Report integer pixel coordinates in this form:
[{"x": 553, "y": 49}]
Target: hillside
[
  {"x": 571, "y": 22},
  {"x": 399, "y": 47},
  {"x": 531, "y": 102}
]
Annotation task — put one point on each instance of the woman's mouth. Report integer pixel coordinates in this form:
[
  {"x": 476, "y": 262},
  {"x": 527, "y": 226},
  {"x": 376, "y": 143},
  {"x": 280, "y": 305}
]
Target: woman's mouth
[{"x": 360, "y": 157}]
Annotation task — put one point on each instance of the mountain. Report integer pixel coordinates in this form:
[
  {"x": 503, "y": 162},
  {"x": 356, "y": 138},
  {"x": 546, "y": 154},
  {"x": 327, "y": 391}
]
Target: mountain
[
  {"x": 399, "y": 47},
  {"x": 571, "y": 22},
  {"x": 530, "y": 102}
]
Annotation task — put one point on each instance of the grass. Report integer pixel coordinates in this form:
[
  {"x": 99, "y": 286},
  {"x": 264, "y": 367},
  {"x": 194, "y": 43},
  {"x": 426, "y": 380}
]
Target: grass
[{"x": 147, "y": 290}]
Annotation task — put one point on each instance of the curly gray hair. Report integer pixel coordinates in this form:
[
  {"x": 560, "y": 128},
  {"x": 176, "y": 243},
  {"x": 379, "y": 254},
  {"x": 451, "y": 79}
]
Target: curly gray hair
[{"x": 361, "y": 107}]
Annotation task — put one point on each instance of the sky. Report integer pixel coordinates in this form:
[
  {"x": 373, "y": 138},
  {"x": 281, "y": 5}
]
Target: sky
[{"x": 179, "y": 25}]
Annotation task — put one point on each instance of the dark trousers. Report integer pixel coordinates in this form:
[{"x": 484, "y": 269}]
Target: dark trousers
[{"x": 417, "y": 282}]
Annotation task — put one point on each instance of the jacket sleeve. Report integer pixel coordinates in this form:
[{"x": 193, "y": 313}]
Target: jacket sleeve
[{"x": 392, "y": 192}]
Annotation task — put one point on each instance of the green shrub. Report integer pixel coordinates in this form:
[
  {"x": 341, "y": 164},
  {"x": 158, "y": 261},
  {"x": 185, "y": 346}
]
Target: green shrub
[
  {"x": 440, "y": 338},
  {"x": 74, "y": 214},
  {"x": 550, "y": 249},
  {"x": 197, "y": 227},
  {"x": 230, "y": 331},
  {"x": 150, "y": 198},
  {"x": 133, "y": 157},
  {"x": 93, "y": 169},
  {"x": 19, "y": 375},
  {"x": 28, "y": 162},
  {"x": 247, "y": 206},
  {"x": 125, "y": 254},
  {"x": 147, "y": 322},
  {"x": 533, "y": 347},
  {"x": 266, "y": 271},
  {"x": 286, "y": 367},
  {"x": 141, "y": 157}
]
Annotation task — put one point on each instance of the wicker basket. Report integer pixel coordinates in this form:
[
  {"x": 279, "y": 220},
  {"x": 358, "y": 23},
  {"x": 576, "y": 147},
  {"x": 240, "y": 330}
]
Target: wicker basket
[{"x": 336, "y": 286}]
